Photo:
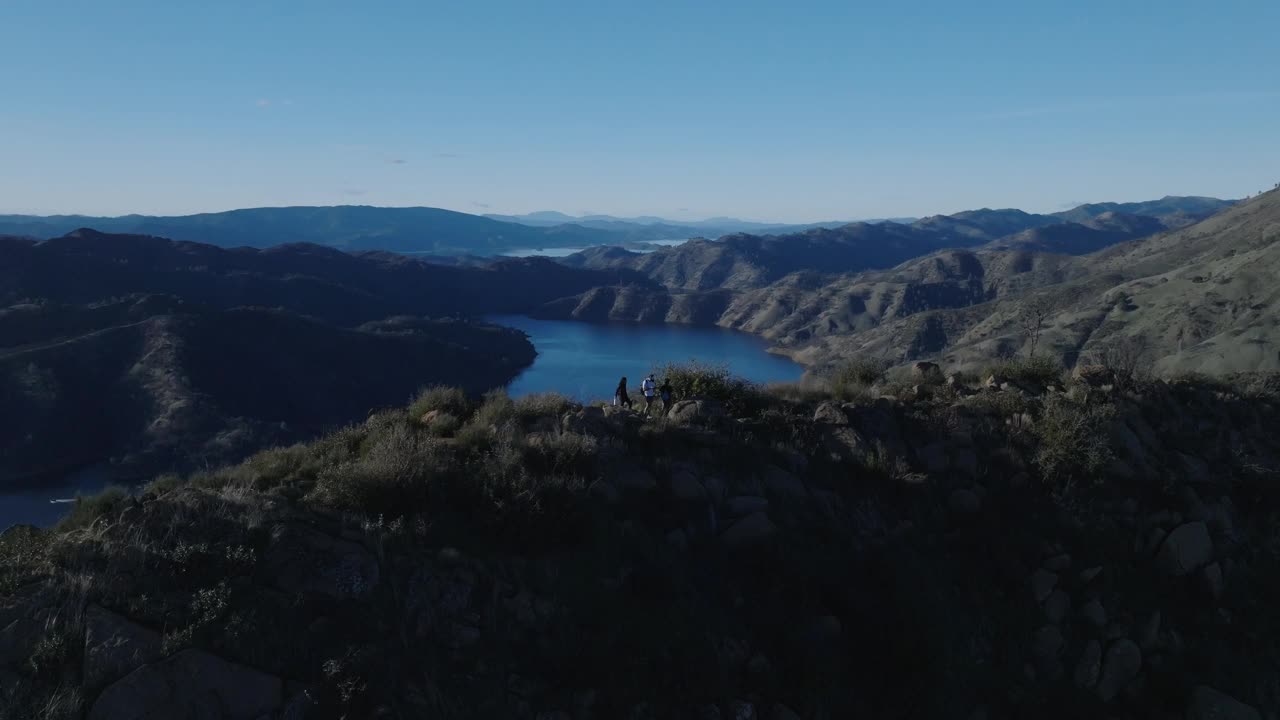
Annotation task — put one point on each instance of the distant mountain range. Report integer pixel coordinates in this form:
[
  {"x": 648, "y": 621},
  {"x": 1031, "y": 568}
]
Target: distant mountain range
[
  {"x": 657, "y": 228},
  {"x": 440, "y": 232}
]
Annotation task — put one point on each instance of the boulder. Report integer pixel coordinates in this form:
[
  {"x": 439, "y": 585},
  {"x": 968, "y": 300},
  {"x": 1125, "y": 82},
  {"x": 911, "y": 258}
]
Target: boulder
[
  {"x": 934, "y": 457},
  {"x": 781, "y": 483},
  {"x": 1042, "y": 584},
  {"x": 191, "y": 684},
  {"x": 634, "y": 480},
  {"x": 1094, "y": 614},
  {"x": 1057, "y": 606},
  {"x": 1211, "y": 576},
  {"x": 782, "y": 712},
  {"x": 1089, "y": 666},
  {"x": 1187, "y": 549},
  {"x": 751, "y": 530},
  {"x": 742, "y": 505},
  {"x": 1209, "y": 704},
  {"x": 831, "y": 414},
  {"x": 927, "y": 373},
  {"x": 587, "y": 421},
  {"x": 1121, "y": 665},
  {"x": 690, "y": 412},
  {"x": 1094, "y": 376},
  {"x": 686, "y": 488},
  {"x": 847, "y": 444},
  {"x": 115, "y": 647},
  {"x": 963, "y": 501},
  {"x": 306, "y": 561}
]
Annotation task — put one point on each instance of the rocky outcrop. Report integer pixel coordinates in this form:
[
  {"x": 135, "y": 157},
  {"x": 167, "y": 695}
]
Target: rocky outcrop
[{"x": 191, "y": 684}]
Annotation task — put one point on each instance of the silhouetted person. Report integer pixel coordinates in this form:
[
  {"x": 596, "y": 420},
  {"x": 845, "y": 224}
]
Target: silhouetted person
[
  {"x": 620, "y": 396},
  {"x": 664, "y": 390}
]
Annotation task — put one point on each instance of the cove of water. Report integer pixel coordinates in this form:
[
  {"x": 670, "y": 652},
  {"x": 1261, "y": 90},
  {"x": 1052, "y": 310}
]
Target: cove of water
[
  {"x": 43, "y": 507},
  {"x": 566, "y": 252},
  {"x": 585, "y": 360}
]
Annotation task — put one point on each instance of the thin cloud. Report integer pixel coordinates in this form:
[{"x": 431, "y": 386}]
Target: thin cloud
[
  {"x": 396, "y": 161},
  {"x": 263, "y": 102},
  {"x": 354, "y": 191},
  {"x": 446, "y": 156},
  {"x": 486, "y": 206}
]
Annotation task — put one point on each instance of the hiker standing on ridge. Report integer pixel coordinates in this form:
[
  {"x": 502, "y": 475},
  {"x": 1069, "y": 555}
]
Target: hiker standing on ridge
[
  {"x": 620, "y": 396},
  {"x": 664, "y": 390},
  {"x": 650, "y": 389}
]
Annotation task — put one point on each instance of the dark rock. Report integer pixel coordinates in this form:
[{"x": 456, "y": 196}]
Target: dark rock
[
  {"x": 685, "y": 487},
  {"x": 1211, "y": 576},
  {"x": 750, "y": 531},
  {"x": 191, "y": 684},
  {"x": 114, "y": 647},
  {"x": 1042, "y": 584},
  {"x": 1057, "y": 607},
  {"x": 831, "y": 414},
  {"x": 934, "y": 458},
  {"x": 1089, "y": 666},
  {"x": 302, "y": 560},
  {"x": 963, "y": 501},
  {"x": 781, "y": 483},
  {"x": 1187, "y": 549},
  {"x": 634, "y": 481},
  {"x": 1058, "y": 563},
  {"x": 1121, "y": 665},
  {"x": 742, "y": 505},
  {"x": 1209, "y": 704},
  {"x": 927, "y": 373},
  {"x": 690, "y": 412},
  {"x": 1094, "y": 614}
]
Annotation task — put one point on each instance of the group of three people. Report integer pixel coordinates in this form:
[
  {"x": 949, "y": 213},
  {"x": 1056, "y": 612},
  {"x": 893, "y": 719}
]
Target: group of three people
[{"x": 651, "y": 391}]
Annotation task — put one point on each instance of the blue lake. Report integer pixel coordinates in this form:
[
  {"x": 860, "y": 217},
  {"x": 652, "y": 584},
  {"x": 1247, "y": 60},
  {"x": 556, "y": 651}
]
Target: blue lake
[
  {"x": 45, "y": 506},
  {"x": 585, "y": 361}
]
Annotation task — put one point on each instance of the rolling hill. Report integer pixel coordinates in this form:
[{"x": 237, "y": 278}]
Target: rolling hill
[{"x": 157, "y": 354}]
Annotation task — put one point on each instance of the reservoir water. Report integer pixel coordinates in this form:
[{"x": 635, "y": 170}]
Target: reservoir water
[
  {"x": 581, "y": 360},
  {"x": 43, "y": 507},
  {"x": 585, "y": 361}
]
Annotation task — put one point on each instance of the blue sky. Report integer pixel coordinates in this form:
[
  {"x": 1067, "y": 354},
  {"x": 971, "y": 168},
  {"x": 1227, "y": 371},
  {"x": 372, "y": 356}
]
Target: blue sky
[{"x": 779, "y": 111}]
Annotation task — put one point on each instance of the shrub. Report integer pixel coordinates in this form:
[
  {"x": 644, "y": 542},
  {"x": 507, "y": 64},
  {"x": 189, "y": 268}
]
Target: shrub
[
  {"x": 392, "y": 478},
  {"x": 696, "y": 379},
  {"x": 87, "y": 509},
  {"x": 162, "y": 484},
  {"x": 852, "y": 379},
  {"x": 496, "y": 409},
  {"x": 446, "y": 399},
  {"x": 23, "y": 551},
  {"x": 1027, "y": 371},
  {"x": 538, "y": 405},
  {"x": 444, "y": 425},
  {"x": 561, "y": 453},
  {"x": 1074, "y": 441}
]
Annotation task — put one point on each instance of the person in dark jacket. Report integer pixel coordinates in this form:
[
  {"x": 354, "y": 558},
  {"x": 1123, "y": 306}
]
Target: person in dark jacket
[
  {"x": 620, "y": 396},
  {"x": 665, "y": 391}
]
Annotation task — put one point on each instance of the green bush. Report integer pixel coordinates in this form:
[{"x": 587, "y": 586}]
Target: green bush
[
  {"x": 496, "y": 409},
  {"x": 392, "y": 478},
  {"x": 1027, "y": 371},
  {"x": 23, "y": 551},
  {"x": 444, "y": 425},
  {"x": 539, "y": 405},
  {"x": 696, "y": 379},
  {"x": 446, "y": 399},
  {"x": 162, "y": 484},
  {"x": 1074, "y": 441},
  {"x": 87, "y": 509},
  {"x": 852, "y": 379}
]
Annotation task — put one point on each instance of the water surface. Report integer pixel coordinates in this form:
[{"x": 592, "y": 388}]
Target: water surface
[
  {"x": 43, "y": 507},
  {"x": 585, "y": 360}
]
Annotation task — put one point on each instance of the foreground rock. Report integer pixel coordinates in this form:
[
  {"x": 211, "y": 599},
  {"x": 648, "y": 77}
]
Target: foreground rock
[{"x": 191, "y": 684}]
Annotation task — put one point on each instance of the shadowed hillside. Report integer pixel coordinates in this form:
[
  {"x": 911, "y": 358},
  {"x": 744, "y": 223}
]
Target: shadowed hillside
[
  {"x": 1019, "y": 547},
  {"x": 157, "y": 354}
]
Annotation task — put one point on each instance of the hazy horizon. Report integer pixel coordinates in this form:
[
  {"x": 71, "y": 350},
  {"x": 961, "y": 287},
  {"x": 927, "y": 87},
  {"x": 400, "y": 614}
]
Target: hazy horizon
[{"x": 739, "y": 110}]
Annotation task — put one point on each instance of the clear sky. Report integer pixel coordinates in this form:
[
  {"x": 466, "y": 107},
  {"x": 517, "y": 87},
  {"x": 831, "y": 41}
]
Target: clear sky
[{"x": 785, "y": 111}]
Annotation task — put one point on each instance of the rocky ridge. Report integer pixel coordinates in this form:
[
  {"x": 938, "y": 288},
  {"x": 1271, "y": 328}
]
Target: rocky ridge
[{"x": 949, "y": 548}]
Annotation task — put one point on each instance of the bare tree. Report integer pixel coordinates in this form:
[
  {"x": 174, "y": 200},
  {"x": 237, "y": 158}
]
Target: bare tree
[
  {"x": 1032, "y": 313},
  {"x": 1127, "y": 358}
]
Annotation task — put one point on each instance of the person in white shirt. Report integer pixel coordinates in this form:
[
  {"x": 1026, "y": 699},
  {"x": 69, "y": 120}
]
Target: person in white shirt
[{"x": 650, "y": 389}]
